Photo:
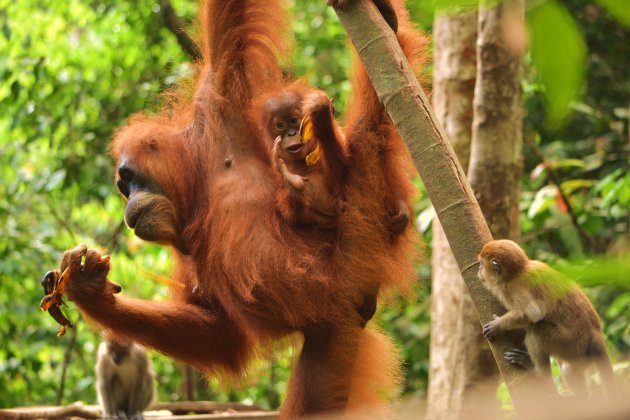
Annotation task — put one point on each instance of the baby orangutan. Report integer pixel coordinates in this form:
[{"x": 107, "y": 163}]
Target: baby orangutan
[
  {"x": 558, "y": 318},
  {"x": 311, "y": 155}
]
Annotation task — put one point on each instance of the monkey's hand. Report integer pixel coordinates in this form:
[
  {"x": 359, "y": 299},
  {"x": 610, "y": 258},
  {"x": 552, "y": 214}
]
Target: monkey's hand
[
  {"x": 88, "y": 280},
  {"x": 493, "y": 328}
]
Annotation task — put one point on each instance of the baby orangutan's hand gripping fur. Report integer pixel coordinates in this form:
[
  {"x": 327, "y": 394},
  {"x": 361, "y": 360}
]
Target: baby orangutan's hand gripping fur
[{"x": 558, "y": 318}]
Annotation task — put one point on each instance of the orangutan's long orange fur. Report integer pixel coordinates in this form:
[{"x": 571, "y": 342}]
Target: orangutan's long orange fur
[{"x": 250, "y": 277}]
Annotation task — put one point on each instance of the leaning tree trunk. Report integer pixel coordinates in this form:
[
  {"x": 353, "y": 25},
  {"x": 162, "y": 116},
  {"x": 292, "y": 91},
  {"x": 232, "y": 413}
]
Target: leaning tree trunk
[
  {"x": 460, "y": 359},
  {"x": 433, "y": 157}
]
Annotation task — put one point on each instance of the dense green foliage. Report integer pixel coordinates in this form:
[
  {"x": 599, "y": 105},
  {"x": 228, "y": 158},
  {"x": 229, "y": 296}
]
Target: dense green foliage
[{"x": 71, "y": 72}]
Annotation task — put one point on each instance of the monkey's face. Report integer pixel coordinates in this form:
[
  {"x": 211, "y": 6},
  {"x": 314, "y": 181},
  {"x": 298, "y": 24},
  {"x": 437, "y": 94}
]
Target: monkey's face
[
  {"x": 118, "y": 351},
  {"x": 489, "y": 272}
]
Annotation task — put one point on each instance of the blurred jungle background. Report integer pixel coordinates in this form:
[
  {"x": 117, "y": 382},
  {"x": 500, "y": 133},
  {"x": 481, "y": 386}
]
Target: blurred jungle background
[{"x": 72, "y": 72}]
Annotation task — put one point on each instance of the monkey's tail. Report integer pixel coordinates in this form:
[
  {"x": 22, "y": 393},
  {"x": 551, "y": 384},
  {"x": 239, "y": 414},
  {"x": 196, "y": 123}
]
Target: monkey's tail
[
  {"x": 607, "y": 376},
  {"x": 375, "y": 377}
]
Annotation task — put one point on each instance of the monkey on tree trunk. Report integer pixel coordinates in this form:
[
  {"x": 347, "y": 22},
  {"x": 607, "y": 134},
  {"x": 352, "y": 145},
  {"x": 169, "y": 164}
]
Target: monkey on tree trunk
[{"x": 558, "y": 318}]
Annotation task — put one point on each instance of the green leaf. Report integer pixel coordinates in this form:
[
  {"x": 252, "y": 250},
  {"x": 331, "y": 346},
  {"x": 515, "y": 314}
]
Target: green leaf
[
  {"x": 620, "y": 9},
  {"x": 425, "y": 218},
  {"x": 15, "y": 89},
  {"x": 568, "y": 163},
  {"x": 619, "y": 305},
  {"x": 455, "y": 6},
  {"x": 55, "y": 179},
  {"x": 572, "y": 185},
  {"x": 558, "y": 52},
  {"x": 6, "y": 31},
  {"x": 545, "y": 198}
]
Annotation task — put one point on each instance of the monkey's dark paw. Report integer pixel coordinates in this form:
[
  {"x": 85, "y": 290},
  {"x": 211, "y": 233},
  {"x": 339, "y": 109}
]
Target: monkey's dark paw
[
  {"x": 519, "y": 358},
  {"x": 491, "y": 329}
]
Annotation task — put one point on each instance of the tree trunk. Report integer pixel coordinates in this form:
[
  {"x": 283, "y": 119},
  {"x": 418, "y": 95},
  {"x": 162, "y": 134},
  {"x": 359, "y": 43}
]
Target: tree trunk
[
  {"x": 494, "y": 172},
  {"x": 433, "y": 157},
  {"x": 496, "y": 152},
  {"x": 452, "y": 365},
  {"x": 462, "y": 371}
]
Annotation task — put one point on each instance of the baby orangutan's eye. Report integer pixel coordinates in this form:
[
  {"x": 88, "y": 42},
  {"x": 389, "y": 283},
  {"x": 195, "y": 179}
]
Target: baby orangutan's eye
[
  {"x": 294, "y": 121},
  {"x": 280, "y": 125}
]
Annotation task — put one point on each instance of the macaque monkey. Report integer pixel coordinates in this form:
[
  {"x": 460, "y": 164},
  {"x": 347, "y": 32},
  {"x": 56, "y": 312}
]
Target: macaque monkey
[
  {"x": 558, "y": 318},
  {"x": 311, "y": 155},
  {"x": 124, "y": 379}
]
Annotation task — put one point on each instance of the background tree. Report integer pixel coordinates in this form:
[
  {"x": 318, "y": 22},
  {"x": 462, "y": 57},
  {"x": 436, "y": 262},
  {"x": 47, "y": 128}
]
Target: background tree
[{"x": 454, "y": 72}]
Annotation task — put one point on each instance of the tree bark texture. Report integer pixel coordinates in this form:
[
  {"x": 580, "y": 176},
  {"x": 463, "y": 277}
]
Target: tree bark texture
[
  {"x": 433, "y": 157},
  {"x": 460, "y": 358},
  {"x": 496, "y": 152}
]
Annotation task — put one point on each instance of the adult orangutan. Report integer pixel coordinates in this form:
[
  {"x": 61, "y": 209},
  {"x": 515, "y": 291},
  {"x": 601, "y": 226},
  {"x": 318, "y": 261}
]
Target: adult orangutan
[{"x": 197, "y": 179}]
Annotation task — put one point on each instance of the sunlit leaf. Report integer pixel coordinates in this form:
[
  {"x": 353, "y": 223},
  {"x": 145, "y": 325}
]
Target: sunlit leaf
[
  {"x": 425, "y": 218},
  {"x": 620, "y": 9},
  {"x": 611, "y": 270},
  {"x": 538, "y": 170},
  {"x": 55, "y": 179},
  {"x": 545, "y": 198},
  {"x": 567, "y": 163},
  {"x": 619, "y": 305},
  {"x": 456, "y": 6},
  {"x": 575, "y": 184}
]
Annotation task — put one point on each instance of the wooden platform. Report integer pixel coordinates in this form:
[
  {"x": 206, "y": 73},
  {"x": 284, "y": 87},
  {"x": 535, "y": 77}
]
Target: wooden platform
[{"x": 189, "y": 410}]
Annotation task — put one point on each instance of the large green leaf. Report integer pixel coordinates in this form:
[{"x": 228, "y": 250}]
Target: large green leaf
[
  {"x": 620, "y": 9},
  {"x": 558, "y": 52}
]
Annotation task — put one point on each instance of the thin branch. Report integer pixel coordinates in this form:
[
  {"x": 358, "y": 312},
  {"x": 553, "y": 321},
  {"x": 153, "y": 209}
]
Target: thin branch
[
  {"x": 174, "y": 24},
  {"x": 553, "y": 176},
  {"x": 112, "y": 242},
  {"x": 63, "y": 221},
  {"x": 66, "y": 362}
]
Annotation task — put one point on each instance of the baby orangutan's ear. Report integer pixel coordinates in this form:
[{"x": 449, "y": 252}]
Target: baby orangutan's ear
[{"x": 496, "y": 267}]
